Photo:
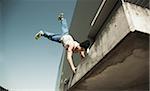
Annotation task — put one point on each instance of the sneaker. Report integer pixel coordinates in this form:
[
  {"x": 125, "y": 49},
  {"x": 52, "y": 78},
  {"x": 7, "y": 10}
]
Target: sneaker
[
  {"x": 87, "y": 50},
  {"x": 38, "y": 35},
  {"x": 60, "y": 16}
]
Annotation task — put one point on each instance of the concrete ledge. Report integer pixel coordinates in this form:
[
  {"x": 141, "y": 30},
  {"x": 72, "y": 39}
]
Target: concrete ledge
[
  {"x": 119, "y": 24},
  {"x": 138, "y": 17},
  {"x": 125, "y": 67},
  {"x": 112, "y": 33}
]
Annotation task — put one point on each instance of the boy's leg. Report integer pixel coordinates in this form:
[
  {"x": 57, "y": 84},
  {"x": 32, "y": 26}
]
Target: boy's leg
[
  {"x": 50, "y": 36},
  {"x": 63, "y": 22},
  {"x": 53, "y": 37},
  {"x": 64, "y": 26}
]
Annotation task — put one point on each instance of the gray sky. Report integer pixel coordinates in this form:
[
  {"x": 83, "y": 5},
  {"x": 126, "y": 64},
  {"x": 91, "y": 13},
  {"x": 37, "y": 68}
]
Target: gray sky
[{"x": 25, "y": 63}]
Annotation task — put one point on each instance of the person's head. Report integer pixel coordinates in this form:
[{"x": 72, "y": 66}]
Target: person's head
[
  {"x": 85, "y": 44},
  {"x": 78, "y": 49}
]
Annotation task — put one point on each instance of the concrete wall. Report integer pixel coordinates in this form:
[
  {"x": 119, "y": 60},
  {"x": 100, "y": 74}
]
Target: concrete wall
[
  {"x": 108, "y": 34},
  {"x": 138, "y": 17},
  {"x": 126, "y": 67},
  {"x": 84, "y": 13},
  {"x": 116, "y": 28}
]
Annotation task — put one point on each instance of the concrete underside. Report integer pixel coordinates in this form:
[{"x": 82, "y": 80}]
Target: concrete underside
[{"x": 126, "y": 67}]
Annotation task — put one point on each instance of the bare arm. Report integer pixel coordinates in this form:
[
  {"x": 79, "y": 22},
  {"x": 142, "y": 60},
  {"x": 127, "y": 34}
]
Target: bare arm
[
  {"x": 82, "y": 53},
  {"x": 69, "y": 58}
]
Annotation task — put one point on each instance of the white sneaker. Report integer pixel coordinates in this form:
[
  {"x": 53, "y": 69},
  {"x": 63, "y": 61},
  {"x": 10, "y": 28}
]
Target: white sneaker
[
  {"x": 60, "y": 16},
  {"x": 39, "y": 34},
  {"x": 87, "y": 50}
]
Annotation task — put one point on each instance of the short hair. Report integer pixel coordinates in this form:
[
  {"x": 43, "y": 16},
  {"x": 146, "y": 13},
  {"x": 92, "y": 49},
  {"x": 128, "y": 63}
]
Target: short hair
[{"x": 85, "y": 44}]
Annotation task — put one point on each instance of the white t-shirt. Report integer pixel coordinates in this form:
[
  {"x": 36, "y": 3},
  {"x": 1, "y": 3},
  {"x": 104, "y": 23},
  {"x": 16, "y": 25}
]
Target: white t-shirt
[{"x": 68, "y": 40}]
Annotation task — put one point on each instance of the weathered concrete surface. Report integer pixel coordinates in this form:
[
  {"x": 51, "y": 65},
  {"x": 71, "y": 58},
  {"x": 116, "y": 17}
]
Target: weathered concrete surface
[
  {"x": 103, "y": 14},
  {"x": 110, "y": 4},
  {"x": 115, "y": 30},
  {"x": 126, "y": 67},
  {"x": 138, "y": 17},
  {"x": 80, "y": 28}
]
